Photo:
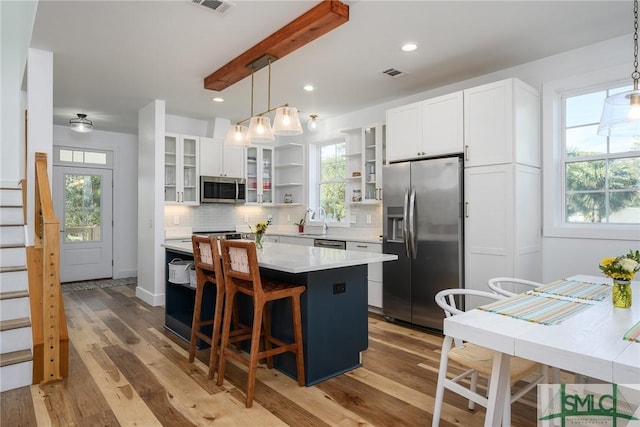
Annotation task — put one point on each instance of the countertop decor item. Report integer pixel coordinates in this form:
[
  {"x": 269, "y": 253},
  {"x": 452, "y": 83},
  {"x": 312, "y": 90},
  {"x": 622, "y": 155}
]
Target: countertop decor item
[
  {"x": 621, "y": 269},
  {"x": 260, "y": 229},
  {"x": 302, "y": 222}
]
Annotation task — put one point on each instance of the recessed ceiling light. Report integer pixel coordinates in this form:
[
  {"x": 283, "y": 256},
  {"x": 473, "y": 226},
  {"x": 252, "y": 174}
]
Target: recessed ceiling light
[
  {"x": 309, "y": 88},
  {"x": 409, "y": 47},
  {"x": 218, "y": 99}
]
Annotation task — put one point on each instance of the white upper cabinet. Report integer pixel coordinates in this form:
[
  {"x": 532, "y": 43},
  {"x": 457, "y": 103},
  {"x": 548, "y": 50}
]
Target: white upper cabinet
[
  {"x": 425, "y": 129},
  {"x": 218, "y": 159},
  {"x": 181, "y": 170},
  {"x": 404, "y": 132},
  {"x": 501, "y": 124},
  {"x": 443, "y": 125}
]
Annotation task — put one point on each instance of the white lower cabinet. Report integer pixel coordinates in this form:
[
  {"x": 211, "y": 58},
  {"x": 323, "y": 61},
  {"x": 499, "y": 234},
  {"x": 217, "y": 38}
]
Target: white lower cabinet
[
  {"x": 375, "y": 271},
  {"x": 300, "y": 241}
]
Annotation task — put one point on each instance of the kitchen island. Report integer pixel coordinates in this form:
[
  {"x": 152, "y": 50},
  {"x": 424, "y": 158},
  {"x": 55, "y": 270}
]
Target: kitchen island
[{"x": 334, "y": 305}]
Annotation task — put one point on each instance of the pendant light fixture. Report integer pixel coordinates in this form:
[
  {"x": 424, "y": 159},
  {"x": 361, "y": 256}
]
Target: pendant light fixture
[
  {"x": 81, "y": 124},
  {"x": 286, "y": 121},
  {"x": 621, "y": 113},
  {"x": 237, "y": 135}
]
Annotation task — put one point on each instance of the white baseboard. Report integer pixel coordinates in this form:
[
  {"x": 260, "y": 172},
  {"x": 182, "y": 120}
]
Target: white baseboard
[{"x": 149, "y": 298}]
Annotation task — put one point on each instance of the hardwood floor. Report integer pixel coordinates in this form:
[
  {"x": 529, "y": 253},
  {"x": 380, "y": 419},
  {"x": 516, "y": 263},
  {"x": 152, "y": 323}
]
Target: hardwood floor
[{"x": 125, "y": 369}]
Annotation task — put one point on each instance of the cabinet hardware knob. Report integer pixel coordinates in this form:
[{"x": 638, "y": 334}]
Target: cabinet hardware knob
[{"x": 466, "y": 153}]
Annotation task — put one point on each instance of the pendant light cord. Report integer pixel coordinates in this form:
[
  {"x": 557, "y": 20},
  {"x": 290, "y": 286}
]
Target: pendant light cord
[
  {"x": 269, "y": 81},
  {"x": 635, "y": 75},
  {"x": 252, "y": 92}
]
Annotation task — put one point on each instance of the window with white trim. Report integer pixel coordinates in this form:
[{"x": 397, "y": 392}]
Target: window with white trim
[
  {"x": 327, "y": 184},
  {"x": 331, "y": 186},
  {"x": 600, "y": 175}
]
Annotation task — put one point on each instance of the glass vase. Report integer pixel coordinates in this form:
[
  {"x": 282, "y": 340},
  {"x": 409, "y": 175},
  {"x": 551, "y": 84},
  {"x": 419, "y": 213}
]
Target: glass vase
[
  {"x": 258, "y": 240},
  {"x": 621, "y": 293}
]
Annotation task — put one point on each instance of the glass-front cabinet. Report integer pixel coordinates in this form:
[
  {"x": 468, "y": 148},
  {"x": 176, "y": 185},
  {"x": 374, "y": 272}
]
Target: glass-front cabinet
[
  {"x": 181, "y": 170},
  {"x": 259, "y": 174},
  {"x": 373, "y": 141},
  {"x": 364, "y": 160}
]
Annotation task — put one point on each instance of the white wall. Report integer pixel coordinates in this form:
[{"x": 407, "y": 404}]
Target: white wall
[
  {"x": 16, "y": 24},
  {"x": 560, "y": 256},
  {"x": 40, "y": 123},
  {"x": 125, "y": 190},
  {"x": 151, "y": 255}
]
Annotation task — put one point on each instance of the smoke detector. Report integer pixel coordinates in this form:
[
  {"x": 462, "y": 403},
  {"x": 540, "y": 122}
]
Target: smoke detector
[{"x": 218, "y": 6}]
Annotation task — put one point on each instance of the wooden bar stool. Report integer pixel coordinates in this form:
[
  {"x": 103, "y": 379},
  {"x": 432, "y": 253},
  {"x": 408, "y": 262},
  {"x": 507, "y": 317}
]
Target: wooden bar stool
[
  {"x": 242, "y": 275},
  {"x": 206, "y": 257}
]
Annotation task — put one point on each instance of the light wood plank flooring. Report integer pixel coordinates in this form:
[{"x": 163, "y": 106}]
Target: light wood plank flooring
[{"x": 125, "y": 369}]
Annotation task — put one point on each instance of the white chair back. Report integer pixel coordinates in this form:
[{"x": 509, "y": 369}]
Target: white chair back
[{"x": 498, "y": 285}]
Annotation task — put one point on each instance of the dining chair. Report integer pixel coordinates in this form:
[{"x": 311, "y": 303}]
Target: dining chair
[
  {"x": 242, "y": 276},
  {"x": 206, "y": 258},
  {"x": 476, "y": 360},
  {"x": 498, "y": 285}
]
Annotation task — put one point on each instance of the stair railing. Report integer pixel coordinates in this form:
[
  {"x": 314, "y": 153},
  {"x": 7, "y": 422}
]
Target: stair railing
[{"x": 49, "y": 325}]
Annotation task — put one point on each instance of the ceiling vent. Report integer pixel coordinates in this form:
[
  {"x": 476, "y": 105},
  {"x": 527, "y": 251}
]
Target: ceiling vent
[
  {"x": 218, "y": 6},
  {"x": 392, "y": 72}
]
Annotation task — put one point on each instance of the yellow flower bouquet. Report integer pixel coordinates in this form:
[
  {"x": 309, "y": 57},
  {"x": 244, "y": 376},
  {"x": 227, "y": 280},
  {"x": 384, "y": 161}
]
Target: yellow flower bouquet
[
  {"x": 260, "y": 230},
  {"x": 622, "y": 270}
]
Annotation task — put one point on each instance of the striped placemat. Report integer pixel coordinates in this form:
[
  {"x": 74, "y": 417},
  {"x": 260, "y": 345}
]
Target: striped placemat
[
  {"x": 576, "y": 289},
  {"x": 536, "y": 308},
  {"x": 633, "y": 334}
]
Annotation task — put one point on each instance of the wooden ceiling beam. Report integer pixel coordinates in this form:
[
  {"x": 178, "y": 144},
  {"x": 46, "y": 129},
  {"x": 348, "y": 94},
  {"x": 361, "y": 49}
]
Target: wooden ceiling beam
[{"x": 316, "y": 22}]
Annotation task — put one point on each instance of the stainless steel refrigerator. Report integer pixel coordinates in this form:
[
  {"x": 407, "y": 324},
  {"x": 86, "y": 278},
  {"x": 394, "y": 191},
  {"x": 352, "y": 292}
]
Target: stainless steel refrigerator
[{"x": 423, "y": 225}]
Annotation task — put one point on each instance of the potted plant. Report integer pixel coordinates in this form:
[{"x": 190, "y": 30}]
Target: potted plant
[{"x": 302, "y": 221}]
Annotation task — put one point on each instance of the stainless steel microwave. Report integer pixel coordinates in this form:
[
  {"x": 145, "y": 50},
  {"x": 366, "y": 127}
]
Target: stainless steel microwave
[{"x": 219, "y": 189}]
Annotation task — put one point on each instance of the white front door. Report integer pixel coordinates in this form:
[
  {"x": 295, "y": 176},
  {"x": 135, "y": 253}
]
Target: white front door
[{"x": 82, "y": 199}]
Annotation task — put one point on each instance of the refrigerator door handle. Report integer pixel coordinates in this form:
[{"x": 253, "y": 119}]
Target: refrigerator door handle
[
  {"x": 405, "y": 224},
  {"x": 412, "y": 223}
]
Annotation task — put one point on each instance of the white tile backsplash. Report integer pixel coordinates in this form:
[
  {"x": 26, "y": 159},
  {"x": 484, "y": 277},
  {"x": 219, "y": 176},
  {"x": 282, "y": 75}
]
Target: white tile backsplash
[{"x": 215, "y": 216}]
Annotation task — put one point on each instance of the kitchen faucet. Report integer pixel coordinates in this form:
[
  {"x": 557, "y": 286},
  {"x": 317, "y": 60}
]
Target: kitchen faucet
[{"x": 322, "y": 214}]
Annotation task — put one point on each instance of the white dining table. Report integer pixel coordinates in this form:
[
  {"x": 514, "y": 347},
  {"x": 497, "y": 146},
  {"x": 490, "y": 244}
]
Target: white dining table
[{"x": 589, "y": 343}]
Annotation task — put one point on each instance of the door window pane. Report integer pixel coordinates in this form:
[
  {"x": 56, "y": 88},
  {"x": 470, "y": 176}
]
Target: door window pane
[{"x": 82, "y": 208}]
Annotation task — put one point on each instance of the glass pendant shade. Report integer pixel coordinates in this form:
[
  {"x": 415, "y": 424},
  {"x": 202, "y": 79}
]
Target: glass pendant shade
[
  {"x": 81, "y": 124},
  {"x": 287, "y": 122},
  {"x": 621, "y": 115},
  {"x": 260, "y": 129},
  {"x": 237, "y": 135}
]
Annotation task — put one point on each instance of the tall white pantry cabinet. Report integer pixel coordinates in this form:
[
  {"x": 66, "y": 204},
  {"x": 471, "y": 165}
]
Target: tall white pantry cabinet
[{"x": 502, "y": 188}]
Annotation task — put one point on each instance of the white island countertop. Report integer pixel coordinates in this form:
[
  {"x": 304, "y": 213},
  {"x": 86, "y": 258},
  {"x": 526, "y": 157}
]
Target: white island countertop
[{"x": 299, "y": 259}]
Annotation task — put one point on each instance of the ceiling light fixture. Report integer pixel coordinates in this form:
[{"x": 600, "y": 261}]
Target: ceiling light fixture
[
  {"x": 409, "y": 47},
  {"x": 312, "y": 124},
  {"x": 621, "y": 112},
  {"x": 309, "y": 88},
  {"x": 218, "y": 99},
  {"x": 81, "y": 124}
]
